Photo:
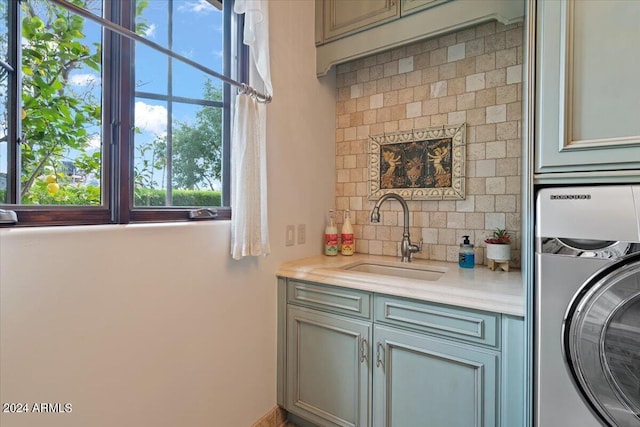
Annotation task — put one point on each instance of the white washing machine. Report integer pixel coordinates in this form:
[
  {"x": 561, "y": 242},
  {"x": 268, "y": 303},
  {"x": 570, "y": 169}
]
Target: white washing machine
[{"x": 587, "y": 307}]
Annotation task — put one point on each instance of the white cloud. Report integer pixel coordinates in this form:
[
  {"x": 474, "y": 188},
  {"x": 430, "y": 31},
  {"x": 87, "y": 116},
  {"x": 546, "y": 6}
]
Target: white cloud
[
  {"x": 152, "y": 118},
  {"x": 151, "y": 31},
  {"x": 95, "y": 141},
  {"x": 198, "y": 6},
  {"x": 83, "y": 80}
]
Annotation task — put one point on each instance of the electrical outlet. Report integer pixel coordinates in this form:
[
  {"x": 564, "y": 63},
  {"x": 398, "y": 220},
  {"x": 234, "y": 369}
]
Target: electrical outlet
[
  {"x": 302, "y": 234},
  {"x": 290, "y": 236}
]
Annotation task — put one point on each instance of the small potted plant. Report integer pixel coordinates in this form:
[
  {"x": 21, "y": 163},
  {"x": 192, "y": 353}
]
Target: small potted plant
[{"x": 499, "y": 246}]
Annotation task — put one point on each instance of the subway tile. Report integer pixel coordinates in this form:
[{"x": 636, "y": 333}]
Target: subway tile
[
  {"x": 370, "y": 88},
  {"x": 494, "y": 220},
  {"x": 466, "y": 205},
  {"x": 506, "y": 203},
  {"x": 507, "y": 166},
  {"x": 447, "y": 71},
  {"x": 362, "y": 104},
  {"x": 506, "y": 58},
  {"x": 391, "y": 69},
  {"x": 456, "y": 117},
  {"x": 485, "y": 203},
  {"x": 414, "y": 109},
  {"x": 496, "y": 150},
  {"x": 475, "y": 82},
  {"x": 486, "y": 62},
  {"x": 514, "y": 74},
  {"x": 362, "y": 75},
  {"x": 447, "y": 104},
  {"x": 497, "y": 113},
  {"x": 438, "y": 56},
  {"x": 398, "y": 82},
  {"x": 476, "y": 151},
  {"x": 438, "y": 89},
  {"x": 405, "y": 65},
  {"x": 356, "y": 90},
  {"x": 405, "y": 96},
  {"x": 456, "y": 86},
  {"x": 485, "y": 29},
  {"x": 456, "y": 52},
  {"x": 465, "y": 35},
  {"x": 506, "y": 94},
  {"x": 422, "y": 122},
  {"x": 375, "y": 101},
  {"x": 485, "y": 133},
  {"x": 486, "y": 168},
  {"x": 475, "y": 186},
  {"x": 494, "y": 42},
  {"x": 430, "y": 235},
  {"x": 466, "y": 67},
  {"x": 447, "y": 236},
  {"x": 414, "y": 78},
  {"x": 507, "y": 130},
  {"x": 466, "y": 101},
  {"x": 496, "y": 78},
  {"x": 485, "y": 97},
  {"x": 496, "y": 185}
]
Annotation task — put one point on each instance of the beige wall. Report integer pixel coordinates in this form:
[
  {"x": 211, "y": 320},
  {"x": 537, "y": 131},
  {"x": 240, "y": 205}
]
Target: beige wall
[
  {"x": 155, "y": 325},
  {"x": 472, "y": 76}
]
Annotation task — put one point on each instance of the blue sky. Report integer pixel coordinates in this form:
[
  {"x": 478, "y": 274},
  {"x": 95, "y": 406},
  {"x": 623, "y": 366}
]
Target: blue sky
[{"x": 198, "y": 31}]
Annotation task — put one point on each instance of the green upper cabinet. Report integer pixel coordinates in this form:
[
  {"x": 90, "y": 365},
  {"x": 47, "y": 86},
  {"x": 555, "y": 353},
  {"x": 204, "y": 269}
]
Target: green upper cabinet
[
  {"x": 352, "y": 29},
  {"x": 342, "y": 17},
  {"x": 587, "y": 86},
  {"x": 410, "y": 6}
]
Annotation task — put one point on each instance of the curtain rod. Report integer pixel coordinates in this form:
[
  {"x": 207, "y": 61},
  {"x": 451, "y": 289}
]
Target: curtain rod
[{"x": 244, "y": 88}]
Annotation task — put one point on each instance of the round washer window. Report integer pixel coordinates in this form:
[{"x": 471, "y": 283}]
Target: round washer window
[{"x": 601, "y": 336}]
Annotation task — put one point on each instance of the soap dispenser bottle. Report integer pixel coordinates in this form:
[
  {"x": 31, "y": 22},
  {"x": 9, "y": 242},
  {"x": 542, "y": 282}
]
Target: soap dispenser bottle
[
  {"x": 331, "y": 236},
  {"x": 348, "y": 243},
  {"x": 466, "y": 256}
]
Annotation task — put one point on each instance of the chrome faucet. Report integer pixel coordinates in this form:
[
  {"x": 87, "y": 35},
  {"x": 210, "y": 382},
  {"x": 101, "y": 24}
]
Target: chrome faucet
[{"x": 407, "y": 249}]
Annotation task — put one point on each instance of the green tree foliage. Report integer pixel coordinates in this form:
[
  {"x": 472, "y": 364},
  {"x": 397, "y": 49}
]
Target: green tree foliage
[
  {"x": 197, "y": 147},
  {"x": 55, "y": 117}
]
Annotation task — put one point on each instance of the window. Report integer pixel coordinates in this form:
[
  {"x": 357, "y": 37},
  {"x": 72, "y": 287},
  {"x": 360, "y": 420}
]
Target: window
[{"x": 98, "y": 128}]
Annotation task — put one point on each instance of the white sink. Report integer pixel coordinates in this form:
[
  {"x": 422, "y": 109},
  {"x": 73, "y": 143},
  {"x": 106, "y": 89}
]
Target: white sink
[{"x": 405, "y": 270}]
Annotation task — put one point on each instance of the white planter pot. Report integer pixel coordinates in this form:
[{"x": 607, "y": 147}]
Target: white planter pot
[{"x": 498, "y": 252}]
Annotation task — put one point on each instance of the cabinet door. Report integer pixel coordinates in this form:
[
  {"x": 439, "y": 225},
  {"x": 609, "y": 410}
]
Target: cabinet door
[
  {"x": 588, "y": 91},
  {"x": 424, "y": 381},
  {"x": 341, "y": 17},
  {"x": 328, "y": 369},
  {"x": 411, "y": 6}
]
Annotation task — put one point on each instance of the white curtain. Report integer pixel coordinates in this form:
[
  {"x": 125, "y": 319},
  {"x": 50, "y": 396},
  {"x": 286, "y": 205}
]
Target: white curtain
[{"x": 249, "y": 225}]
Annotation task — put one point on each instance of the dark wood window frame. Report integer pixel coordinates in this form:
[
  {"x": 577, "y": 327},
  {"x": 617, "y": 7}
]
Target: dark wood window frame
[{"x": 118, "y": 129}]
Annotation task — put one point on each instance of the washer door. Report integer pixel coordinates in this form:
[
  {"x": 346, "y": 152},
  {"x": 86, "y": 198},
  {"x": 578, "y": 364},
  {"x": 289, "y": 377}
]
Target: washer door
[{"x": 601, "y": 337}]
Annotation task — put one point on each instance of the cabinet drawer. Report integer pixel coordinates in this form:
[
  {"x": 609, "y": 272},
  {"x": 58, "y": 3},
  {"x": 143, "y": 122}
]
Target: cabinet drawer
[
  {"x": 464, "y": 324},
  {"x": 330, "y": 298}
]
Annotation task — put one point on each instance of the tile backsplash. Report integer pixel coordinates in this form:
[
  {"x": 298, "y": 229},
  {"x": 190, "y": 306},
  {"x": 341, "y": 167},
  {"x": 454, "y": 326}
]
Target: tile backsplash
[{"x": 472, "y": 76}]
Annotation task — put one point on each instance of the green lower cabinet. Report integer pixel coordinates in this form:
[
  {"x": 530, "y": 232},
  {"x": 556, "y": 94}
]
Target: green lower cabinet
[
  {"x": 328, "y": 371},
  {"x": 351, "y": 358},
  {"x": 424, "y": 381}
]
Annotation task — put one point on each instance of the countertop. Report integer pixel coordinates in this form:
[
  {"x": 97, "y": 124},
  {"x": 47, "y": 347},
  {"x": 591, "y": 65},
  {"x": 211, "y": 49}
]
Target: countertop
[{"x": 479, "y": 288}]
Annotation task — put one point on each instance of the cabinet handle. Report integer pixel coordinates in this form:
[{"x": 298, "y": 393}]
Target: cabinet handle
[
  {"x": 363, "y": 351},
  {"x": 378, "y": 351}
]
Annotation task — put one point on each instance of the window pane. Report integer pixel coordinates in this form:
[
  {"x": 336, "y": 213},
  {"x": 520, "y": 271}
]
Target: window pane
[
  {"x": 61, "y": 156},
  {"x": 4, "y": 88},
  {"x": 192, "y": 151},
  {"x": 178, "y": 163}
]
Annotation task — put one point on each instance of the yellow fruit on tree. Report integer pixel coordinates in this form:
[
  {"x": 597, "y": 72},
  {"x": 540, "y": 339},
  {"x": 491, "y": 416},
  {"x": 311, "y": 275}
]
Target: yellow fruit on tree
[
  {"x": 51, "y": 178},
  {"x": 23, "y": 114},
  {"x": 53, "y": 188}
]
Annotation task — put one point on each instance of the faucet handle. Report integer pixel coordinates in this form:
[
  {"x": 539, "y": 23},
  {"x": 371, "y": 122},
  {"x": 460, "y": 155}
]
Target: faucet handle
[{"x": 420, "y": 245}]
